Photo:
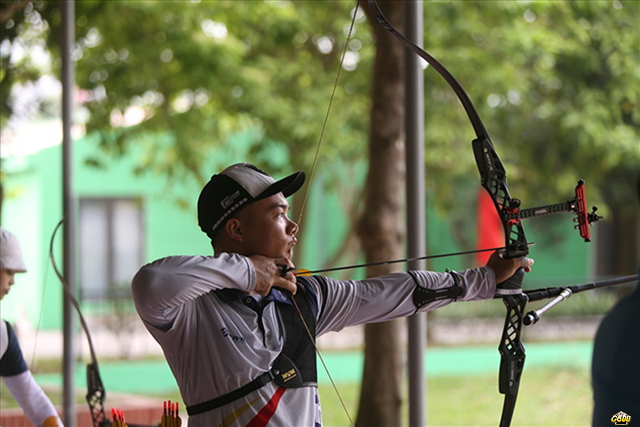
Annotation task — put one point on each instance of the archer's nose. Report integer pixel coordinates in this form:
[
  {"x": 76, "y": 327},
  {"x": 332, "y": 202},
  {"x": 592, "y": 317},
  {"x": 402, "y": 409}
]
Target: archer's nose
[{"x": 292, "y": 227}]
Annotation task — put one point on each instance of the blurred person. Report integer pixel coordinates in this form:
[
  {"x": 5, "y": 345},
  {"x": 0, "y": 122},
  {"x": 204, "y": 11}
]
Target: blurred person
[
  {"x": 615, "y": 367},
  {"x": 228, "y": 325},
  {"x": 13, "y": 369}
]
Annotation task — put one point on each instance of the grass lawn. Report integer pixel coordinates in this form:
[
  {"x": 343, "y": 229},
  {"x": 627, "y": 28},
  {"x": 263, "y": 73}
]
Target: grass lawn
[{"x": 547, "y": 397}]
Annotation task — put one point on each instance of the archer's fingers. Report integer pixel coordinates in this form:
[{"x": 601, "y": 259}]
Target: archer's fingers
[
  {"x": 286, "y": 284},
  {"x": 526, "y": 263},
  {"x": 286, "y": 279},
  {"x": 287, "y": 267},
  {"x": 286, "y": 262}
]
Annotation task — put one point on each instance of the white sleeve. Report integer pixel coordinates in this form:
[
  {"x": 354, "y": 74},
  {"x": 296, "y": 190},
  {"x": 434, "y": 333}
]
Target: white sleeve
[
  {"x": 161, "y": 287},
  {"x": 4, "y": 338},
  {"x": 35, "y": 404},
  {"x": 354, "y": 302}
]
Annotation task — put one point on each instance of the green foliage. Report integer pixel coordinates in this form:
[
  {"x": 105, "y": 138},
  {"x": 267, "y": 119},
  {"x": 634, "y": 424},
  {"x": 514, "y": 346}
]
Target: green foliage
[
  {"x": 197, "y": 73},
  {"x": 21, "y": 44},
  {"x": 556, "y": 84},
  {"x": 170, "y": 83}
]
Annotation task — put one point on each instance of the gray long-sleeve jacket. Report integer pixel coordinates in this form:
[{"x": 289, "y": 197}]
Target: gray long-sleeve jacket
[{"x": 215, "y": 345}]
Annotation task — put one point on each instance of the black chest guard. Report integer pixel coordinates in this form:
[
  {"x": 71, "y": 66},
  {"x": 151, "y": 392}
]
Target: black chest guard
[{"x": 295, "y": 366}]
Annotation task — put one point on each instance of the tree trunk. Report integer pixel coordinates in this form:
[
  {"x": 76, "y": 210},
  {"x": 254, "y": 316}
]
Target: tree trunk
[
  {"x": 618, "y": 234},
  {"x": 380, "y": 227}
]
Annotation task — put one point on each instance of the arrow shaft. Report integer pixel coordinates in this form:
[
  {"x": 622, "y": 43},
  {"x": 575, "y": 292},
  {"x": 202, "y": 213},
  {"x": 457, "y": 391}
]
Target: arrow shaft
[{"x": 396, "y": 261}]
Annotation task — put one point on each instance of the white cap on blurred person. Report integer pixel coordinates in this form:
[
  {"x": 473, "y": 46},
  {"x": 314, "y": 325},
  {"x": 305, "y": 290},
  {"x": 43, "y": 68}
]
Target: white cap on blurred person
[{"x": 10, "y": 254}]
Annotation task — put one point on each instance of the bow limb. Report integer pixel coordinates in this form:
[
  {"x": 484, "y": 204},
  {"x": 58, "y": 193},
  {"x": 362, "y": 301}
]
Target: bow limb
[
  {"x": 492, "y": 172},
  {"x": 95, "y": 389},
  {"x": 477, "y": 124}
]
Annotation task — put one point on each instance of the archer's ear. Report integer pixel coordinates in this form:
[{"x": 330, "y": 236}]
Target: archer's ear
[{"x": 233, "y": 227}]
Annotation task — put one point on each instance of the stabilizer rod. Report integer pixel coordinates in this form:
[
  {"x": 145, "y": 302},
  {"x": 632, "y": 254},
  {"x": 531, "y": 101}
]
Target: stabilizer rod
[{"x": 563, "y": 293}]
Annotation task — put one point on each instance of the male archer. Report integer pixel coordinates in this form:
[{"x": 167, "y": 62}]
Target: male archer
[{"x": 228, "y": 325}]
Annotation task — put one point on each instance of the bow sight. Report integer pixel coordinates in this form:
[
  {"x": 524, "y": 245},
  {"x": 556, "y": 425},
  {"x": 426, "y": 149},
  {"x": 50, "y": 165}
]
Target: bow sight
[{"x": 578, "y": 205}]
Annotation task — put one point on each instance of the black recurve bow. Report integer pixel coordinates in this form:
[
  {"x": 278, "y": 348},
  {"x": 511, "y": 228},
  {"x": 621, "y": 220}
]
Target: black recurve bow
[
  {"x": 493, "y": 178},
  {"x": 96, "y": 392},
  {"x": 95, "y": 389}
]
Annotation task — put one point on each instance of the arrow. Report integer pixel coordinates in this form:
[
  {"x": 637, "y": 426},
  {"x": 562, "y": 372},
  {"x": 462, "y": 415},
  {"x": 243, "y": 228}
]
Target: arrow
[{"x": 303, "y": 272}]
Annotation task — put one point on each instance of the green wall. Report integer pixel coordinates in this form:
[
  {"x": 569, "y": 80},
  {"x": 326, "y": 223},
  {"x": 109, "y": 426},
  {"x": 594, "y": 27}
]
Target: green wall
[{"x": 32, "y": 208}]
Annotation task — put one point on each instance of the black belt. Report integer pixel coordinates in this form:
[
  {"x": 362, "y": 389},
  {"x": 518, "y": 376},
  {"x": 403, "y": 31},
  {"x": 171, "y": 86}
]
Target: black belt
[{"x": 259, "y": 382}]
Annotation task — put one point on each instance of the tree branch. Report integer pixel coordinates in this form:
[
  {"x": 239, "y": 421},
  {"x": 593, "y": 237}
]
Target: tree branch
[{"x": 8, "y": 10}]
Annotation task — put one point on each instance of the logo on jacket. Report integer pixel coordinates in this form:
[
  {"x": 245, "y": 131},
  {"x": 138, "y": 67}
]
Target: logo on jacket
[{"x": 236, "y": 338}]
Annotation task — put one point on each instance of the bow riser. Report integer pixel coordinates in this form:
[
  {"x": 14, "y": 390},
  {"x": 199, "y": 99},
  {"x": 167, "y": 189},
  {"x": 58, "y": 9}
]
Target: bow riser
[
  {"x": 512, "y": 355},
  {"x": 493, "y": 178},
  {"x": 96, "y": 395}
]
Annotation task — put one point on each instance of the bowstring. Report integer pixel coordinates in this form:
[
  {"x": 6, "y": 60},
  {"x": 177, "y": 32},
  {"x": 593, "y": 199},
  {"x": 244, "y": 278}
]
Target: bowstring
[
  {"x": 36, "y": 337},
  {"x": 306, "y": 195},
  {"x": 326, "y": 117},
  {"x": 313, "y": 341}
]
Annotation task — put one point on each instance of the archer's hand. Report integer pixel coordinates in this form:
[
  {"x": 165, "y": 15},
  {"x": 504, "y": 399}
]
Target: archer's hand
[
  {"x": 269, "y": 274},
  {"x": 505, "y": 268}
]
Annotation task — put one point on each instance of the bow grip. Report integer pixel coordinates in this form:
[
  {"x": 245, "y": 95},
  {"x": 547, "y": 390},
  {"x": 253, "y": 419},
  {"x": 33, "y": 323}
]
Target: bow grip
[{"x": 511, "y": 286}]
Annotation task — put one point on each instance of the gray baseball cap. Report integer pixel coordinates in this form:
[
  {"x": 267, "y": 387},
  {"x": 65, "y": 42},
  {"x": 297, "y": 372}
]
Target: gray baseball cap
[{"x": 236, "y": 187}]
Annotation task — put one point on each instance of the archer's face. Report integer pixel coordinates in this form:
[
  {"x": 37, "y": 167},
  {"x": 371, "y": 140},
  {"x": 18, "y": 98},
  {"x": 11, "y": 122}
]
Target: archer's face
[
  {"x": 267, "y": 229},
  {"x": 6, "y": 280}
]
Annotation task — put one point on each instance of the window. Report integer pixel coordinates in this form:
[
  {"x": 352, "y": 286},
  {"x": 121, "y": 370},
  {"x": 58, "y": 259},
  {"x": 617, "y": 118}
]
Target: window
[{"x": 111, "y": 246}]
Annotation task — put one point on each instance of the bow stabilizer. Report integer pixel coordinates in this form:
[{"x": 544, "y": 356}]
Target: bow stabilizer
[{"x": 563, "y": 293}]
